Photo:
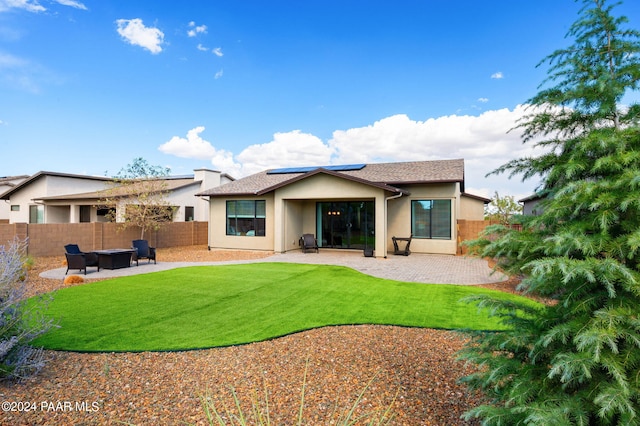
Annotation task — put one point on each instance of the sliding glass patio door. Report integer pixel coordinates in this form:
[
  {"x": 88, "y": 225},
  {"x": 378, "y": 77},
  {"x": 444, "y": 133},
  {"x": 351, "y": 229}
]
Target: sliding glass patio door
[{"x": 345, "y": 224}]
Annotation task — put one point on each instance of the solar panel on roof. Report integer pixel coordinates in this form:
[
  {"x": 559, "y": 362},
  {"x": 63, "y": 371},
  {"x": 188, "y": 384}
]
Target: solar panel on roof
[{"x": 336, "y": 168}]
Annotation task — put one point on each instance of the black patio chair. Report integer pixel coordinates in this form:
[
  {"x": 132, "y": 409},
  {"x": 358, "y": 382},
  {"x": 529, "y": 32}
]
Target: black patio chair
[
  {"x": 309, "y": 242},
  {"x": 77, "y": 259},
  {"x": 143, "y": 251}
]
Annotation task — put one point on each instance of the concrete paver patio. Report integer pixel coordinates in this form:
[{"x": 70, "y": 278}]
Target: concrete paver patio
[{"x": 422, "y": 268}]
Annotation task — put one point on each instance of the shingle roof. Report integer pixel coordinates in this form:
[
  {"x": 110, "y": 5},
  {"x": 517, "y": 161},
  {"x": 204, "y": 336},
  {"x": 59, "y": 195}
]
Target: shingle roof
[
  {"x": 170, "y": 184},
  {"x": 386, "y": 175}
]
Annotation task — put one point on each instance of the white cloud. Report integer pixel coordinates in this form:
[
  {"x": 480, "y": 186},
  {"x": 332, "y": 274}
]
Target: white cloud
[
  {"x": 35, "y": 6},
  {"x": 28, "y": 5},
  {"x": 193, "y": 146},
  {"x": 196, "y": 29},
  {"x": 498, "y": 75},
  {"x": 216, "y": 51},
  {"x": 21, "y": 74},
  {"x": 483, "y": 141},
  {"x": 483, "y": 100},
  {"x": 10, "y": 61},
  {"x": 219, "y": 74},
  {"x": 72, "y": 3},
  {"x": 286, "y": 149},
  {"x": 134, "y": 32}
]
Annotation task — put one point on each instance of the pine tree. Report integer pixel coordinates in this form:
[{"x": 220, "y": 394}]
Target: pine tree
[{"x": 576, "y": 359}]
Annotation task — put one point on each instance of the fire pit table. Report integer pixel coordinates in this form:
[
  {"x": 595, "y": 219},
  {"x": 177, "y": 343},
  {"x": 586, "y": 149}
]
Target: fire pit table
[{"x": 114, "y": 258}]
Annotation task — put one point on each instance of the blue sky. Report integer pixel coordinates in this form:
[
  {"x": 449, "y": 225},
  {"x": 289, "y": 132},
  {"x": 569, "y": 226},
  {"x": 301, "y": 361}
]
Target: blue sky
[{"x": 240, "y": 86}]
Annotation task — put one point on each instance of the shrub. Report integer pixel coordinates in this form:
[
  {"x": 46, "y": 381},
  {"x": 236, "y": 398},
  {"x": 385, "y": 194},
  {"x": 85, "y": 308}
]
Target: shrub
[
  {"x": 19, "y": 325},
  {"x": 73, "y": 279}
]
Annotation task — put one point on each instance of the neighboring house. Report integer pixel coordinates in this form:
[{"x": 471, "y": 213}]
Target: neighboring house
[
  {"x": 345, "y": 207},
  {"x": 7, "y": 183},
  {"x": 49, "y": 197},
  {"x": 531, "y": 205}
]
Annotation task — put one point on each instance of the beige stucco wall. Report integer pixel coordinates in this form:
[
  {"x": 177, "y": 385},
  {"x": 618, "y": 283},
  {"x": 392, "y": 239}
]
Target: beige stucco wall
[
  {"x": 218, "y": 237},
  {"x": 48, "y": 186},
  {"x": 471, "y": 209},
  {"x": 291, "y": 212},
  {"x": 295, "y": 207},
  {"x": 400, "y": 217}
]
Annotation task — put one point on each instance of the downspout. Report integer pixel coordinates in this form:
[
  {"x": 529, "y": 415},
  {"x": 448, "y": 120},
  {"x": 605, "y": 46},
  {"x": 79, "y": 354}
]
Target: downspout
[
  {"x": 208, "y": 200},
  {"x": 386, "y": 224}
]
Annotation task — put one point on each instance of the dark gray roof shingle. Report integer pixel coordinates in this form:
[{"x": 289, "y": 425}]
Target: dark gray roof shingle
[{"x": 390, "y": 174}]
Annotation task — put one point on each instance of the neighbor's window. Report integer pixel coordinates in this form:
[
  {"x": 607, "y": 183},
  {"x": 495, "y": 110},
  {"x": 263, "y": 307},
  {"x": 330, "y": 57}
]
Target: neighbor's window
[
  {"x": 106, "y": 214},
  {"x": 431, "y": 219},
  {"x": 36, "y": 214},
  {"x": 15, "y": 207},
  {"x": 246, "y": 217},
  {"x": 189, "y": 214}
]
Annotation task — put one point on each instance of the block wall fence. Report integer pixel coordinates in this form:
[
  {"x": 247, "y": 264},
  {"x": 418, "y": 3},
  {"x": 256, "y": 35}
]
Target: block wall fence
[
  {"x": 470, "y": 230},
  {"x": 50, "y": 239}
]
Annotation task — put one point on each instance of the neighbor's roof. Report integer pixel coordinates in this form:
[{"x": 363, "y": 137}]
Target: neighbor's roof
[
  {"x": 383, "y": 175},
  {"x": 170, "y": 184},
  {"x": 6, "y": 180},
  {"x": 532, "y": 197},
  {"x": 32, "y": 178}
]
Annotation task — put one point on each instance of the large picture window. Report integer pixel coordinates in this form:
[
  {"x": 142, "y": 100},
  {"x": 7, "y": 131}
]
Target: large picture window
[
  {"x": 246, "y": 217},
  {"x": 431, "y": 219}
]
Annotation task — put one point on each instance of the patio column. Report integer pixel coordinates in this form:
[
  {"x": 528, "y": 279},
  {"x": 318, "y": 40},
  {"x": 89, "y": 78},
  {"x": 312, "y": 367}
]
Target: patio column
[
  {"x": 278, "y": 225},
  {"x": 381, "y": 226}
]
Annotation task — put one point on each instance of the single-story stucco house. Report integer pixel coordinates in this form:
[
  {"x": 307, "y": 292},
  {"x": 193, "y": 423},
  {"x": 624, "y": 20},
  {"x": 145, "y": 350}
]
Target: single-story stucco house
[
  {"x": 52, "y": 197},
  {"x": 352, "y": 206},
  {"x": 7, "y": 183}
]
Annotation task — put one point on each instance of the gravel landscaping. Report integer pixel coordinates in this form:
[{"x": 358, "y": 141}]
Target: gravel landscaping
[{"x": 413, "y": 371}]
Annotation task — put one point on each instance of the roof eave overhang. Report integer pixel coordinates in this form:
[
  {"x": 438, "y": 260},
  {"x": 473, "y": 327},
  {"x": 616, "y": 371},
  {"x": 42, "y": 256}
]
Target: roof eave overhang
[
  {"x": 422, "y": 182},
  {"x": 321, "y": 170}
]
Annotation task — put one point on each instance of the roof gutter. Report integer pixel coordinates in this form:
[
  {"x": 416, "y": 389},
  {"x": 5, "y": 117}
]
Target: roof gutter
[{"x": 386, "y": 224}]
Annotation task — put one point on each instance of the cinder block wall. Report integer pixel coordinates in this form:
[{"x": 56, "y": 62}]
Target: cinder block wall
[
  {"x": 50, "y": 239},
  {"x": 470, "y": 230}
]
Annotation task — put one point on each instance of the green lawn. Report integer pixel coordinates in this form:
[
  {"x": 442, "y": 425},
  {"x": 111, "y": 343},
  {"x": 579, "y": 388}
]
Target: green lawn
[{"x": 208, "y": 306}]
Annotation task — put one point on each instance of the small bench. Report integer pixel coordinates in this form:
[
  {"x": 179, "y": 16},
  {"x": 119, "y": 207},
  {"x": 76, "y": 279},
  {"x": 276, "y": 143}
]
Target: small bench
[{"x": 396, "y": 248}]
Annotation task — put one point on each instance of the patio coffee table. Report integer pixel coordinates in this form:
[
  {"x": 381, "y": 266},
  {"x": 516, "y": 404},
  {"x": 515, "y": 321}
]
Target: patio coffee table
[{"x": 114, "y": 258}]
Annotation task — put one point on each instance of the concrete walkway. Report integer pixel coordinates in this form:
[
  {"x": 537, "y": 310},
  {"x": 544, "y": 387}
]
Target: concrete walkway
[{"x": 422, "y": 268}]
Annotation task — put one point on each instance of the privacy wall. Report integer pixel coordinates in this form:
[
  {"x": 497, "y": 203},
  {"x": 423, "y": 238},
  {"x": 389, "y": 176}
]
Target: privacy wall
[{"x": 50, "y": 239}]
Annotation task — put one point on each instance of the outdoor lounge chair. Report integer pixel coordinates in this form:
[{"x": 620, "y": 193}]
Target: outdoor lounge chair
[
  {"x": 309, "y": 242},
  {"x": 77, "y": 259},
  {"x": 143, "y": 251}
]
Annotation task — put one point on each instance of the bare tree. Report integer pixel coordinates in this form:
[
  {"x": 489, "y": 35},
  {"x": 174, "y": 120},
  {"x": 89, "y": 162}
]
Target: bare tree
[{"x": 138, "y": 197}]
